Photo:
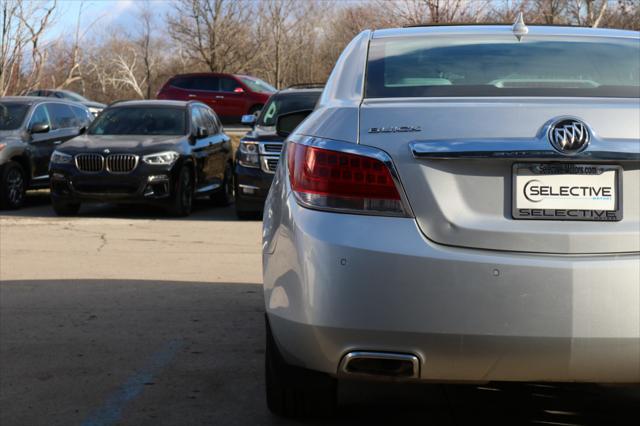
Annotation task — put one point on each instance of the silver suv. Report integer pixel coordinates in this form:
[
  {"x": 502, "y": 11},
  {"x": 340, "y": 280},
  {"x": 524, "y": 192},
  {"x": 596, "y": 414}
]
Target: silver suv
[{"x": 463, "y": 205}]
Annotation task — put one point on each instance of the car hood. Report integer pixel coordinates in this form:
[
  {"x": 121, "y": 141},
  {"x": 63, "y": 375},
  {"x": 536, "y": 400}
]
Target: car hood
[
  {"x": 260, "y": 133},
  {"x": 130, "y": 143}
]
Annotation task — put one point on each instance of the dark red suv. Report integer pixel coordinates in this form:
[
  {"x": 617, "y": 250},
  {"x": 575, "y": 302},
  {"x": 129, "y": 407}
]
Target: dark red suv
[{"x": 230, "y": 96}]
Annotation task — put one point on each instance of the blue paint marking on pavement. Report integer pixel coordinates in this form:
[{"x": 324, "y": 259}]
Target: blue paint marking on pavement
[{"x": 111, "y": 410}]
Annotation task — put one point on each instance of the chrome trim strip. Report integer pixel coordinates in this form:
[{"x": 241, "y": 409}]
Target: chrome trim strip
[
  {"x": 263, "y": 150},
  {"x": 208, "y": 188},
  {"x": 344, "y": 363},
  {"x": 524, "y": 149},
  {"x": 264, "y": 162},
  {"x": 241, "y": 185},
  {"x": 40, "y": 177},
  {"x": 367, "y": 151}
]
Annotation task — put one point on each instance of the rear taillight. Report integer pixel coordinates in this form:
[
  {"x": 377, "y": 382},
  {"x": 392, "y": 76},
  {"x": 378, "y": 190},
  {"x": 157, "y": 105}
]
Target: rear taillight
[{"x": 341, "y": 181}]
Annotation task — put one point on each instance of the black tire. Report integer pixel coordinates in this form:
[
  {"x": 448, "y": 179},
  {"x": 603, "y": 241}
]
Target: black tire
[
  {"x": 296, "y": 392},
  {"x": 63, "y": 208},
  {"x": 183, "y": 198},
  {"x": 224, "y": 196},
  {"x": 13, "y": 186}
]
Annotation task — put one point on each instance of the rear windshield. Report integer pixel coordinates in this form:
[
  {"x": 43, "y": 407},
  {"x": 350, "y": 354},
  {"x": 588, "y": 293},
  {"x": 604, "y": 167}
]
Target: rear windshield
[
  {"x": 503, "y": 66},
  {"x": 12, "y": 115},
  {"x": 284, "y": 104},
  {"x": 170, "y": 121}
]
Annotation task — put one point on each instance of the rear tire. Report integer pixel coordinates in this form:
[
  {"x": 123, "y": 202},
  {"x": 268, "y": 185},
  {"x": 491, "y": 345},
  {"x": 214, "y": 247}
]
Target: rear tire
[
  {"x": 296, "y": 392},
  {"x": 13, "y": 186},
  {"x": 224, "y": 196},
  {"x": 63, "y": 208},
  {"x": 183, "y": 198}
]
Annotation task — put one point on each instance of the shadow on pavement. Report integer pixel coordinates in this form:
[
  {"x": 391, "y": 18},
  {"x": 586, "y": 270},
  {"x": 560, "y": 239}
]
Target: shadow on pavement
[
  {"x": 176, "y": 353},
  {"x": 38, "y": 204}
]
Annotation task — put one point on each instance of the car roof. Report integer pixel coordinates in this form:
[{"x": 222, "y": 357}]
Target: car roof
[
  {"x": 152, "y": 103},
  {"x": 534, "y": 30},
  {"x": 294, "y": 91},
  {"x": 37, "y": 99},
  {"x": 202, "y": 74}
]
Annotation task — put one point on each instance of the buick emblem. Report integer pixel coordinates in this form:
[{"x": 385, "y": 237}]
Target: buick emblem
[
  {"x": 106, "y": 151},
  {"x": 569, "y": 136}
]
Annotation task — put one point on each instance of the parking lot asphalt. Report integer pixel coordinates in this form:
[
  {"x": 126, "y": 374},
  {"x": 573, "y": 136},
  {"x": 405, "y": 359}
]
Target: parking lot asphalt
[{"x": 124, "y": 316}]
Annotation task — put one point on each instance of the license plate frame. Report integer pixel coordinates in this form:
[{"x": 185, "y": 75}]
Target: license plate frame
[{"x": 570, "y": 170}]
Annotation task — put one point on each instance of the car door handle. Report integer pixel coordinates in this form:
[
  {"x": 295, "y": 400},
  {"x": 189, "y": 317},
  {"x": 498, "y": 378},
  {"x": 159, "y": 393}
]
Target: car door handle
[
  {"x": 219, "y": 97},
  {"x": 191, "y": 95},
  {"x": 57, "y": 142}
]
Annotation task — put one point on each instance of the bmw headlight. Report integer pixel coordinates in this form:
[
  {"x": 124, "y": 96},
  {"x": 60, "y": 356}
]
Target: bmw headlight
[
  {"x": 248, "y": 154},
  {"x": 58, "y": 157},
  {"x": 161, "y": 158}
]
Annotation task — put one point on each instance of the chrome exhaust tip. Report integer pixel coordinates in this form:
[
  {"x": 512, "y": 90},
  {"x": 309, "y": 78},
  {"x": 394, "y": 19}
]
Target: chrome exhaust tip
[{"x": 382, "y": 365}]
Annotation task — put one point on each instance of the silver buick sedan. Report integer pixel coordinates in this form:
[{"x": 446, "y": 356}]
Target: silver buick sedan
[{"x": 463, "y": 205}]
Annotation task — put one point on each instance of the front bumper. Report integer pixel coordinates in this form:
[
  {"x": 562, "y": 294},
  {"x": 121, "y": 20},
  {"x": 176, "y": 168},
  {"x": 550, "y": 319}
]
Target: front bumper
[
  {"x": 145, "y": 184},
  {"x": 337, "y": 283},
  {"x": 252, "y": 187}
]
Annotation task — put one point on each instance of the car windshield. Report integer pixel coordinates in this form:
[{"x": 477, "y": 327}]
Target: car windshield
[
  {"x": 258, "y": 85},
  {"x": 170, "y": 121},
  {"x": 285, "y": 103},
  {"x": 503, "y": 66},
  {"x": 12, "y": 115},
  {"x": 73, "y": 97}
]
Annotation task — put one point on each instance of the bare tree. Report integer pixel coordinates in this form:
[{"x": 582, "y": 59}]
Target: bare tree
[
  {"x": 588, "y": 12},
  {"x": 23, "y": 26},
  {"x": 215, "y": 32},
  {"x": 146, "y": 18}
]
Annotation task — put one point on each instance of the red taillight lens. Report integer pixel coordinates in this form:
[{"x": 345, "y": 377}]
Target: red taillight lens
[{"x": 337, "y": 180}]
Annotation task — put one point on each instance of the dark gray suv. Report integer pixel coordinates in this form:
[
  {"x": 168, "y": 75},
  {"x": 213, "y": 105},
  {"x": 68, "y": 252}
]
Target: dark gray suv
[{"x": 30, "y": 128}]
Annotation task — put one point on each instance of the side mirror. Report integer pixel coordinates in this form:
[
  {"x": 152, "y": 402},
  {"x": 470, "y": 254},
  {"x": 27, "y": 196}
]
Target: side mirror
[
  {"x": 82, "y": 130},
  {"x": 287, "y": 123},
  {"x": 40, "y": 128},
  {"x": 248, "y": 119},
  {"x": 202, "y": 132}
]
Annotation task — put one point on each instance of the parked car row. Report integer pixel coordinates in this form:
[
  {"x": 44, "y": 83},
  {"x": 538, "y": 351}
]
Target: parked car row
[
  {"x": 231, "y": 96},
  {"x": 155, "y": 152}
]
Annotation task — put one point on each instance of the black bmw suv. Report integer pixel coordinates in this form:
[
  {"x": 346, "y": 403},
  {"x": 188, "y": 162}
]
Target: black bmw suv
[
  {"x": 258, "y": 154},
  {"x": 155, "y": 152}
]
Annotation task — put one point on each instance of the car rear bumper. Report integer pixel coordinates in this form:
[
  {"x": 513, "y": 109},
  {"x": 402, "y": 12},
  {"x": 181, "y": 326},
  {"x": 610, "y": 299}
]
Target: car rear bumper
[{"x": 339, "y": 283}]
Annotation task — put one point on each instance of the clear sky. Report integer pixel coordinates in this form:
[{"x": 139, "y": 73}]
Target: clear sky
[{"x": 100, "y": 14}]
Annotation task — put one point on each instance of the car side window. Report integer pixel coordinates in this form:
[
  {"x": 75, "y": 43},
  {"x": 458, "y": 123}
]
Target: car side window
[
  {"x": 61, "y": 116},
  {"x": 208, "y": 121},
  {"x": 83, "y": 116},
  {"x": 196, "y": 119},
  {"x": 205, "y": 83},
  {"x": 228, "y": 84},
  {"x": 39, "y": 116},
  {"x": 182, "y": 82}
]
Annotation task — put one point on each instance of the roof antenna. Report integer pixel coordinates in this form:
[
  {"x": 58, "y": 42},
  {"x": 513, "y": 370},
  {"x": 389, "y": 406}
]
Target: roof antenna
[{"x": 519, "y": 28}]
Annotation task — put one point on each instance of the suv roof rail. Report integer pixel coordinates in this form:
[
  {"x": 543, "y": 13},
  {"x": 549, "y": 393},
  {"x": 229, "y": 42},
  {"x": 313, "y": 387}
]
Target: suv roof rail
[
  {"x": 305, "y": 86},
  {"x": 476, "y": 24}
]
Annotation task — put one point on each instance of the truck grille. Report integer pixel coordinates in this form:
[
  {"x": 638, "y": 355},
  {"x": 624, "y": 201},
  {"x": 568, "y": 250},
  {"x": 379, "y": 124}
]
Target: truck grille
[
  {"x": 272, "y": 147},
  {"x": 91, "y": 163},
  {"x": 121, "y": 163},
  {"x": 272, "y": 164}
]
